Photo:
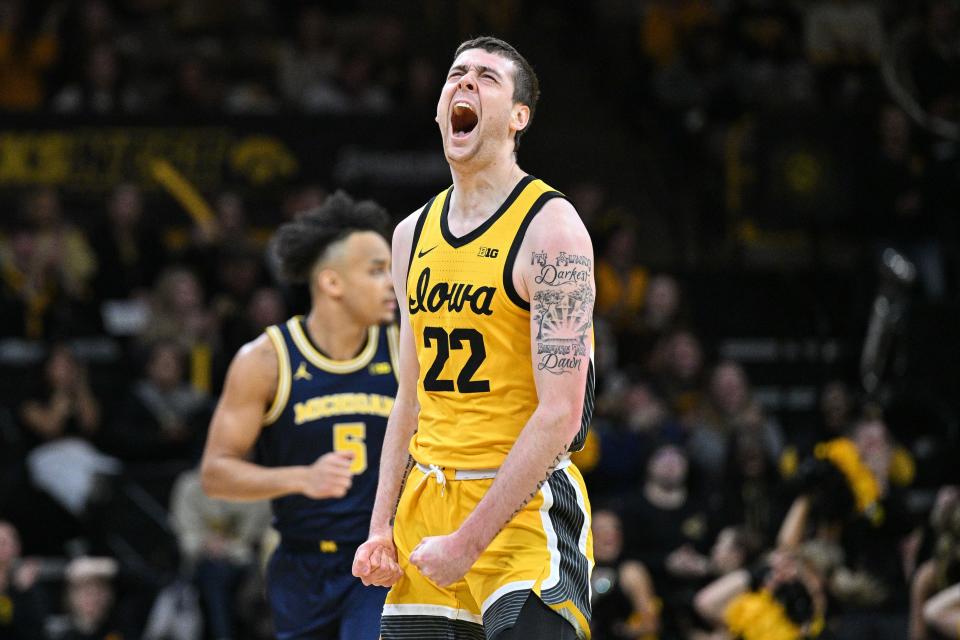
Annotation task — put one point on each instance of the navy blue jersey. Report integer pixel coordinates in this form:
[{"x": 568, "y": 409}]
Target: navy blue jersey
[{"x": 325, "y": 405}]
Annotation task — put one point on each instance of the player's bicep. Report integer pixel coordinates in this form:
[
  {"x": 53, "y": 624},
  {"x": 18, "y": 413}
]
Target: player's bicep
[
  {"x": 249, "y": 388},
  {"x": 557, "y": 273}
]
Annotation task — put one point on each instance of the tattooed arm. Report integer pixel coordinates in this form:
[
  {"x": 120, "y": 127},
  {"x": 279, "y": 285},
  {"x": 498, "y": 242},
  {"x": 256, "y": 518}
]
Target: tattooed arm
[{"x": 554, "y": 271}]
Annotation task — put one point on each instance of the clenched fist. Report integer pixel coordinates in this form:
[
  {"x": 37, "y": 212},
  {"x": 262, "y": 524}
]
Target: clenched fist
[{"x": 329, "y": 476}]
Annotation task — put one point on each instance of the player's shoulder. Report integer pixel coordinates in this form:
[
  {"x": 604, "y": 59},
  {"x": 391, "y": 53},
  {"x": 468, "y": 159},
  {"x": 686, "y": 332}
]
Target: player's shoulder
[
  {"x": 405, "y": 229},
  {"x": 557, "y": 220},
  {"x": 260, "y": 354}
]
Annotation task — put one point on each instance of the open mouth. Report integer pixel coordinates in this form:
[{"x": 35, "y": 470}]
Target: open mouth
[{"x": 463, "y": 120}]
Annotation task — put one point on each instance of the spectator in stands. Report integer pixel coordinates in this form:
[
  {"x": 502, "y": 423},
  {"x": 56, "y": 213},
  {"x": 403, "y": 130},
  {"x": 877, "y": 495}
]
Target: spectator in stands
[
  {"x": 229, "y": 236},
  {"x": 162, "y": 418},
  {"x": 731, "y": 411},
  {"x": 64, "y": 404},
  {"x": 239, "y": 271},
  {"x": 266, "y": 307},
  {"x": 419, "y": 87},
  {"x": 897, "y": 192},
  {"x": 90, "y": 602},
  {"x": 179, "y": 314},
  {"x": 621, "y": 282},
  {"x": 100, "y": 90},
  {"x": 128, "y": 253},
  {"x": 939, "y": 561},
  {"x": 942, "y": 612},
  {"x": 197, "y": 90},
  {"x": 660, "y": 314},
  {"x": 735, "y": 548},
  {"x": 836, "y": 409},
  {"x": 630, "y": 420},
  {"x": 677, "y": 367},
  {"x": 781, "y": 598},
  {"x": 64, "y": 249},
  {"x": 61, "y": 243},
  {"x": 668, "y": 530},
  {"x": 29, "y": 287},
  {"x": 63, "y": 417},
  {"x": 857, "y": 522},
  {"x": 625, "y": 606},
  {"x": 750, "y": 488},
  {"x": 355, "y": 89},
  {"x": 25, "y": 59},
  {"x": 218, "y": 541},
  {"x": 22, "y": 608},
  {"x": 306, "y": 68}
]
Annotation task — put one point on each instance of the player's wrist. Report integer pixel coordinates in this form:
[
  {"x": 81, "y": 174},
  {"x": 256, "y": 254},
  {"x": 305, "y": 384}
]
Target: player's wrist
[
  {"x": 381, "y": 529},
  {"x": 298, "y": 480},
  {"x": 469, "y": 540}
]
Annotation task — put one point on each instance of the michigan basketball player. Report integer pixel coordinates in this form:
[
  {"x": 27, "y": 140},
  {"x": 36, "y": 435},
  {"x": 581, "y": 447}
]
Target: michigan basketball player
[
  {"x": 311, "y": 398},
  {"x": 484, "y": 530}
]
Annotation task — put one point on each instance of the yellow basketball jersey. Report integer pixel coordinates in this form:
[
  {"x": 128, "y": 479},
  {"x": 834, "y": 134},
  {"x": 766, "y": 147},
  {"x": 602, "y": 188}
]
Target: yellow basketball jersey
[{"x": 472, "y": 333}]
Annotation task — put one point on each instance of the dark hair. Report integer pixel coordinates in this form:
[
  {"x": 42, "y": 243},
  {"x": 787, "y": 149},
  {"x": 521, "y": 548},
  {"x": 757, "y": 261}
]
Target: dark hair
[
  {"x": 298, "y": 245},
  {"x": 526, "y": 86},
  {"x": 796, "y": 601},
  {"x": 832, "y": 499}
]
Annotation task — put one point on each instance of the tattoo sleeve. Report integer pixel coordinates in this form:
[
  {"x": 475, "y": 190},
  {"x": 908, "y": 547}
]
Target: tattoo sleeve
[{"x": 563, "y": 310}]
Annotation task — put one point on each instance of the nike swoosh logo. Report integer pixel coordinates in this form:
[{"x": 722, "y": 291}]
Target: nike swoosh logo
[{"x": 422, "y": 253}]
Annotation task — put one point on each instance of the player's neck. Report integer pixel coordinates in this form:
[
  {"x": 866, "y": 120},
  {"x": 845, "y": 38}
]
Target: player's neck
[
  {"x": 334, "y": 332},
  {"x": 479, "y": 191}
]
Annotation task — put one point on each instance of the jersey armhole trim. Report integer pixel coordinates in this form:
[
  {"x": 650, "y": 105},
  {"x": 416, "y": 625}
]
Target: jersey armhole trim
[
  {"x": 417, "y": 230},
  {"x": 282, "y": 394},
  {"x": 508, "y": 287}
]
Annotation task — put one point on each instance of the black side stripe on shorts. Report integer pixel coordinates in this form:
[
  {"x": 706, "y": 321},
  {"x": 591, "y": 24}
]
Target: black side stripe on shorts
[
  {"x": 568, "y": 519},
  {"x": 504, "y": 612},
  {"x": 418, "y": 627},
  {"x": 588, "y": 402}
]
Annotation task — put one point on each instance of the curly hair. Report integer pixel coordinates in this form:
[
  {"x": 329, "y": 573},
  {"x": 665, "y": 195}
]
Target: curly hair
[{"x": 297, "y": 246}]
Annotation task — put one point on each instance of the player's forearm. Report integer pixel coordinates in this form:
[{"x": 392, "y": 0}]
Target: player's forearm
[
  {"x": 229, "y": 478},
  {"x": 712, "y": 600},
  {"x": 393, "y": 466},
  {"x": 791, "y": 531},
  {"x": 542, "y": 445}
]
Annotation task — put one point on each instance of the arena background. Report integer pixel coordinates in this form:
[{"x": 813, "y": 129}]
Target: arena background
[{"x": 772, "y": 188}]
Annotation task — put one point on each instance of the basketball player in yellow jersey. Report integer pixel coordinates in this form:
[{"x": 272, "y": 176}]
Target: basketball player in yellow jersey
[{"x": 481, "y": 524}]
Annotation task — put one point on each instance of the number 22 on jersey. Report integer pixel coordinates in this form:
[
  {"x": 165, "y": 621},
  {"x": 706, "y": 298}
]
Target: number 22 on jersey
[{"x": 442, "y": 341}]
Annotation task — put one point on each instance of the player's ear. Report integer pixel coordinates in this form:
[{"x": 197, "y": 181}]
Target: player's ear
[
  {"x": 330, "y": 282},
  {"x": 520, "y": 117}
]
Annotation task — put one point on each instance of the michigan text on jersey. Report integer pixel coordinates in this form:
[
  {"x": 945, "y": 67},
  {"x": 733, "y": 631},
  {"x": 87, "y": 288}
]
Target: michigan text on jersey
[{"x": 341, "y": 404}]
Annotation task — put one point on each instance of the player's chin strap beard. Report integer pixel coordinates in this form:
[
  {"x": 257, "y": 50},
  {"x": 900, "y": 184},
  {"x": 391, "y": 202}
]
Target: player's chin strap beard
[{"x": 436, "y": 471}]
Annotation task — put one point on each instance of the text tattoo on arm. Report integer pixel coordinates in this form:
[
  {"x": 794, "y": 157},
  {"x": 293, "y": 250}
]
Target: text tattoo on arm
[
  {"x": 550, "y": 470},
  {"x": 563, "y": 311},
  {"x": 403, "y": 481}
]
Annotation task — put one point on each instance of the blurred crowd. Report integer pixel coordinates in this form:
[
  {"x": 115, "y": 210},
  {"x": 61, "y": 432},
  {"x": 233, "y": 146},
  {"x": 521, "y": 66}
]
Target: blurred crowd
[{"x": 716, "y": 507}]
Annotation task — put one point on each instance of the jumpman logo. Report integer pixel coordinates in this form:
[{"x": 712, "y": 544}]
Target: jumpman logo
[{"x": 302, "y": 373}]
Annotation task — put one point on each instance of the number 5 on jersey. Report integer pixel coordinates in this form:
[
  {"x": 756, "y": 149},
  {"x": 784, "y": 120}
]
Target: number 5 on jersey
[
  {"x": 351, "y": 436},
  {"x": 438, "y": 338}
]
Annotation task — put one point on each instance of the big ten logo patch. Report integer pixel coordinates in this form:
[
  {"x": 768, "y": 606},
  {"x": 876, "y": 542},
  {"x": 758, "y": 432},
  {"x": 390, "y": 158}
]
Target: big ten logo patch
[{"x": 488, "y": 252}]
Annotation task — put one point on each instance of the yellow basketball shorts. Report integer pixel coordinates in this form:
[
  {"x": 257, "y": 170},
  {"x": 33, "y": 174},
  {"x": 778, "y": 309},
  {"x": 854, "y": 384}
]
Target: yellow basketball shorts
[{"x": 546, "y": 549}]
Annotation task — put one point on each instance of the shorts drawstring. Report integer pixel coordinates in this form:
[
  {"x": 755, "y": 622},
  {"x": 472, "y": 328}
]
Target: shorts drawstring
[{"x": 437, "y": 472}]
